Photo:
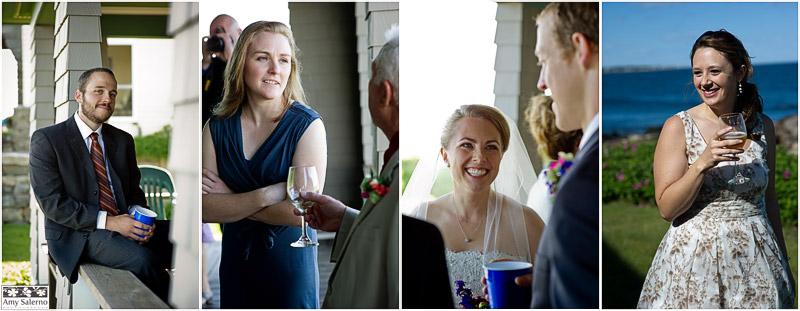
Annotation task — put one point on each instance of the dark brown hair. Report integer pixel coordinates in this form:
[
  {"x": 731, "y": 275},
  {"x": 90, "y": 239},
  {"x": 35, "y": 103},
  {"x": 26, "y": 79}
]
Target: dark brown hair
[
  {"x": 84, "y": 78},
  {"x": 749, "y": 103}
]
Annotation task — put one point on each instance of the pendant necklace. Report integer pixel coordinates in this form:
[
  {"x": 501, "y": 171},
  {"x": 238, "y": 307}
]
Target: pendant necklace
[{"x": 455, "y": 210}]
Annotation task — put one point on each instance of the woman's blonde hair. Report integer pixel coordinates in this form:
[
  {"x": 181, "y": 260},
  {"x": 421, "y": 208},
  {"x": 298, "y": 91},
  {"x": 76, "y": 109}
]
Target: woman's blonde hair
[
  {"x": 549, "y": 138},
  {"x": 234, "y": 94},
  {"x": 480, "y": 112}
]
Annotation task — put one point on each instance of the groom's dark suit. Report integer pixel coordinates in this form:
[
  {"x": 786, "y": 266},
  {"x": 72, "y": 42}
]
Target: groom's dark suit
[
  {"x": 65, "y": 185},
  {"x": 566, "y": 267},
  {"x": 426, "y": 266}
]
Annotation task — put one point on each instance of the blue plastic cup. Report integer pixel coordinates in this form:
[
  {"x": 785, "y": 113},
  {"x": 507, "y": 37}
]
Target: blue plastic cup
[
  {"x": 143, "y": 215},
  {"x": 503, "y": 292}
]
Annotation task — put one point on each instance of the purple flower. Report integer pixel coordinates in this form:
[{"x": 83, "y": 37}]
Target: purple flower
[
  {"x": 633, "y": 148},
  {"x": 646, "y": 182},
  {"x": 786, "y": 175},
  {"x": 635, "y": 186},
  {"x": 625, "y": 145},
  {"x": 564, "y": 167},
  {"x": 605, "y": 164},
  {"x": 620, "y": 177}
]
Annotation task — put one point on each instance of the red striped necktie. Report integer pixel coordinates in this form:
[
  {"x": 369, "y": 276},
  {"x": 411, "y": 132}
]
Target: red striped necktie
[{"x": 106, "y": 198}]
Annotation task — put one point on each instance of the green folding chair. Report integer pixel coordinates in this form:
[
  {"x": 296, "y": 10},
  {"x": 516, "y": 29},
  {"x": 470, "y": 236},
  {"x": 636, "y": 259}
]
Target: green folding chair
[{"x": 156, "y": 182}]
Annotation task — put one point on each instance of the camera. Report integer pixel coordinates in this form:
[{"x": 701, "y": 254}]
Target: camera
[{"x": 215, "y": 44}]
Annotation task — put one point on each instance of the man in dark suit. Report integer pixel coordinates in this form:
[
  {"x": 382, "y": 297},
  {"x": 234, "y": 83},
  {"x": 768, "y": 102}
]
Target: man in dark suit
[
  {"x": 84, "y": 176},
  {"x": 425, "y": 274},
  {"x": 566, "y": 265}
]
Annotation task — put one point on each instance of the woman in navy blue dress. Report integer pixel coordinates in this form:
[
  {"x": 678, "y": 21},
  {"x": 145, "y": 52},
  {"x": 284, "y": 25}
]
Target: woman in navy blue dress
[{"x": 260, "y": 128}]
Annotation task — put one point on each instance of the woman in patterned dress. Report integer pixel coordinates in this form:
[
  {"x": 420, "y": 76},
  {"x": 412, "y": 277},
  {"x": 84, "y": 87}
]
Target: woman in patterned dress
[{"x": 725, "y": 247}]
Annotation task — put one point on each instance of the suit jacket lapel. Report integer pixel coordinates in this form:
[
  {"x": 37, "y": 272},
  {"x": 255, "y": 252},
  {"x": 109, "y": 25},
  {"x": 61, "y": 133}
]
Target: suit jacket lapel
[
  {"x": 78, "y": 145},
  {"x": 592, "y": 141},
  {"x": 368, "y": 207},
  {"x": 386, "y": 175}
]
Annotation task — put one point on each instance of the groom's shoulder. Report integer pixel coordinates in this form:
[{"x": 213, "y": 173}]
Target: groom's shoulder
[{"x": 588, "y": 166}]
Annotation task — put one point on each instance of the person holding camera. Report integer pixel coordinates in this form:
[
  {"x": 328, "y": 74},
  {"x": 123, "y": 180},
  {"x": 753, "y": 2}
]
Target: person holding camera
[{"x": 217, "y": 48}]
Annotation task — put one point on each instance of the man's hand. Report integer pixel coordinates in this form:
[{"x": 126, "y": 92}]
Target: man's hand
[
  {"x": 227, "y": 51},
  {"x": 127, "y": 226},
  {"x": 213, "y": 184},
  {"x": 326, "y": 214},
  {"x": 524, "y": 280},
  {"x": 206, "y": 52}
]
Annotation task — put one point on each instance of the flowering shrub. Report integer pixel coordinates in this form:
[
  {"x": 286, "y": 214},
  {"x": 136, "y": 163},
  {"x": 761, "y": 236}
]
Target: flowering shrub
[
  {"x": 628, "y": 176},
  {"x": 786, "y": 185},
  {"x": 628, "y": 171}
]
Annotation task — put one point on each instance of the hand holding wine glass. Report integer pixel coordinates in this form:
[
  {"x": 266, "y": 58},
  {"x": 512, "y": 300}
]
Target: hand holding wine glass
[
  {"x": 302, "y": 179},
  {"x": 326, "y": 214},
  {"x": 739, "y": 133}
]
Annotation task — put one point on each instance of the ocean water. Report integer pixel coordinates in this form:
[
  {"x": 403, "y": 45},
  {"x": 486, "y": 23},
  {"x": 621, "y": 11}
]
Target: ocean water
[{"x": 636, "y": 101}]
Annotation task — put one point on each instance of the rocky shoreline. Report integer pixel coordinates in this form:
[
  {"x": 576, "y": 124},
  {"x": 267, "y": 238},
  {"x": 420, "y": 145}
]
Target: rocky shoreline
[{"x": 785, "y": 134}]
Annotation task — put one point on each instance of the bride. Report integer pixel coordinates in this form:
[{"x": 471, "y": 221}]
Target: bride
[{"x": 482, "y": 219}]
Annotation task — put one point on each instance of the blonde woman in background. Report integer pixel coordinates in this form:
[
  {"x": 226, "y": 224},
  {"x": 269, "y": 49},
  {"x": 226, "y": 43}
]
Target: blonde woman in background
[{"x": 551, "y": 141}]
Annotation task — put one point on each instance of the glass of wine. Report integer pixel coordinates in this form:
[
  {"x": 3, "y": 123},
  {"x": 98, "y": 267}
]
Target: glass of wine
[
  {"x": 302, "y": 179},
  {"x": 739, "y": 131}
]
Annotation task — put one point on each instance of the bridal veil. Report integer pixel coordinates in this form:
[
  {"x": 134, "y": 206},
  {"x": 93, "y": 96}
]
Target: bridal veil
[{"x": 505, "y": 230}]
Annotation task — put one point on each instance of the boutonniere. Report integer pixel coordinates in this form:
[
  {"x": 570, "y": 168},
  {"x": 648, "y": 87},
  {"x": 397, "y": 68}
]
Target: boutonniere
[
  {"x": 557, "y": 169},
  {"x": 374, "y": 188}
]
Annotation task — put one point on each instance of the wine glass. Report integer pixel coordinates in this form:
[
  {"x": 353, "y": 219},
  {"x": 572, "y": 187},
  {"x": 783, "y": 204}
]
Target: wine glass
[
  {"x": 739, "y": 131},
  {"x": 302, "y": 178}
]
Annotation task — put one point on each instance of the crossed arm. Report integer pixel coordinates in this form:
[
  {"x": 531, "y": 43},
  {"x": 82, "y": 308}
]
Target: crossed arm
[{"x": 267, "y": 204}]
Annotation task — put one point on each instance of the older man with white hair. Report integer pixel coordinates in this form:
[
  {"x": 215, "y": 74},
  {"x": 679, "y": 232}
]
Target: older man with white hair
[{"x": 366, "y": 248}]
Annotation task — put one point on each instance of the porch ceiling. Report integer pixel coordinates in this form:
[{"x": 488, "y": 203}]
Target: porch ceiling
[{"x": 119, "y": 19}]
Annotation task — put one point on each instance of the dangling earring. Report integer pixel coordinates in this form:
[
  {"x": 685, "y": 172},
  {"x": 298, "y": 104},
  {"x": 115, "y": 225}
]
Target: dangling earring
[{"x": 740, "y": 89}]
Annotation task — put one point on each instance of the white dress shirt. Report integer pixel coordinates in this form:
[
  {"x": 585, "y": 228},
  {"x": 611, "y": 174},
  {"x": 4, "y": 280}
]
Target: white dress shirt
[
  {"x": 593, "y": 126},
  {"x": 86, "y": 131}
]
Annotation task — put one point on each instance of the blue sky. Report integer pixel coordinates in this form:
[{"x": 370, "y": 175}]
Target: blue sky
[{"x": 662, "y": 34}]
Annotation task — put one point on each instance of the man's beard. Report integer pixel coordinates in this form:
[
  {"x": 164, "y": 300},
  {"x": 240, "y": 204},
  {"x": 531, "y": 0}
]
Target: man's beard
[{"x": 94, "y": 118}]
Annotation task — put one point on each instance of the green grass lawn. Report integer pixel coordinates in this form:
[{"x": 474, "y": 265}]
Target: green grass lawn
[
  {"x": 16, "y": 255},
  {"x": 630, "y": 238},
  {"x": 16, "y": 242}
]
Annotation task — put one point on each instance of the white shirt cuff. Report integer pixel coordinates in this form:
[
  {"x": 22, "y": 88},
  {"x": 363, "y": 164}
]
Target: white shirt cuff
[{"x": 101, "y": 219}]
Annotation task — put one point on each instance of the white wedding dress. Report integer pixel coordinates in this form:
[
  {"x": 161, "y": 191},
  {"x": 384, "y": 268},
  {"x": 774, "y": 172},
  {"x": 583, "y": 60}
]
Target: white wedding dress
[
  {"x": 467, "y": 266},
  {"x": 505, "y": 232},
  {"x": 539, "y": 198}
]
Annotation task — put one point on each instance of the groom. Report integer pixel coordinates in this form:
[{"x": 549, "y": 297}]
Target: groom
[
  {"x": 566, "y": 271},
  {"x": 366, "y": 248}
]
